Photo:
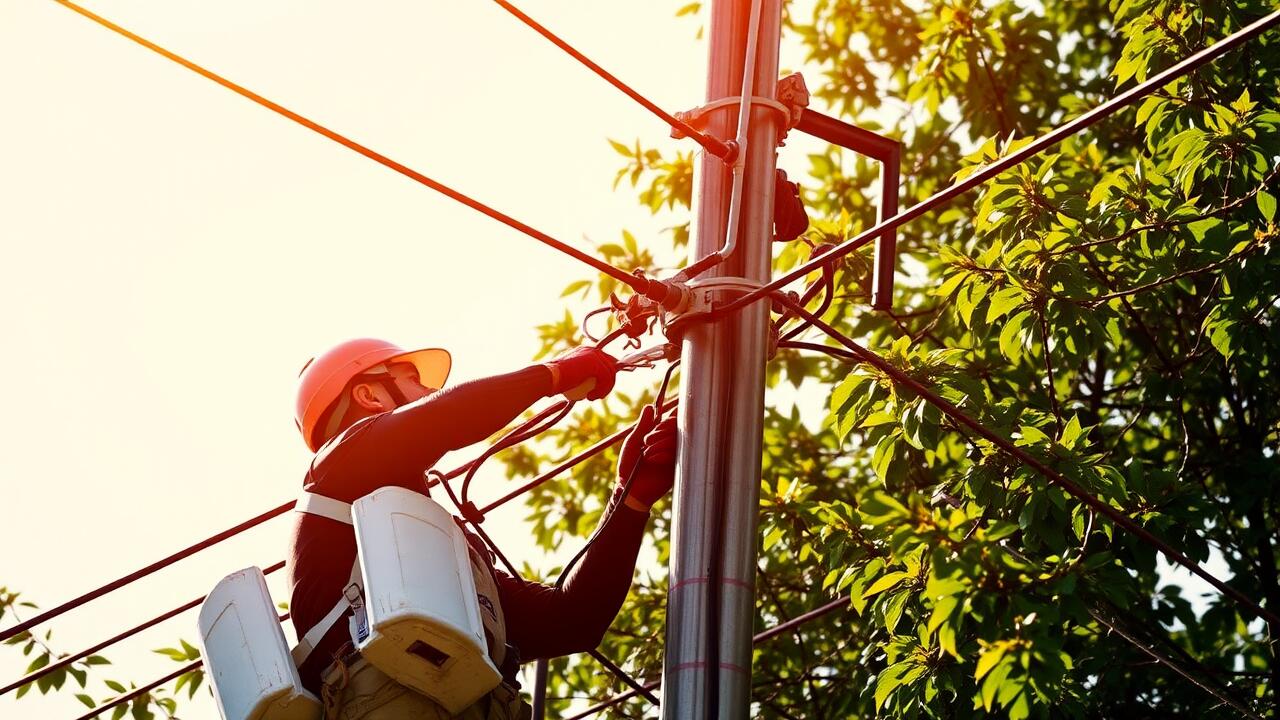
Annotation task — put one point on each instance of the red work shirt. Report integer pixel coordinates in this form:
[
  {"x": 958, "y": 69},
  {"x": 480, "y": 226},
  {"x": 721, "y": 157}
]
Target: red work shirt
[{"x": 396, "y": 448}]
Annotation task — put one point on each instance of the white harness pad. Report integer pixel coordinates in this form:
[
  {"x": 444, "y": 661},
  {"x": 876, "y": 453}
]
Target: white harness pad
[{"x": 418, "y": 615}]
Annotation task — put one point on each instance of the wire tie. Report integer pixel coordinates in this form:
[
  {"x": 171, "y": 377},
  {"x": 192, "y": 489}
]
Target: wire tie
[{"x": 471, "y": 513}]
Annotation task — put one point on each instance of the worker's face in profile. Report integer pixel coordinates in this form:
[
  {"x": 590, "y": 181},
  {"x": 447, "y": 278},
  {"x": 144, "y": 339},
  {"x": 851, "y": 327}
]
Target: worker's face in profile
[
  {"x": 405, "y": 377},
  {"x": 394, "y": 388}
]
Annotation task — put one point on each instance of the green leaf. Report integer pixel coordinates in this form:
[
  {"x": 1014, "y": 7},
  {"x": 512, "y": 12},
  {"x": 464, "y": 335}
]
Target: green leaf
[
  {"x": 942, "y": 610},
  {"x": 888, "y": 681},
  {"x": 1004, "y": 301},
  {"x": 893, "y": 608},
  {"x": 1072, "y": 432},
  {"x": 995, "y": 680},
  {"x": 115, "y": 686},
  {"x": 88, "y": 701},
  {"x": 621, "y": 149},
  {"x": 989, "y": 659},
  {"x": 1267, "y": 205},
  {"x": 883, "y": 456},
  {"x": 41, "y": 660},
  {"x": 886, "y": 582},
  {"x": 1011, "y": 336}
]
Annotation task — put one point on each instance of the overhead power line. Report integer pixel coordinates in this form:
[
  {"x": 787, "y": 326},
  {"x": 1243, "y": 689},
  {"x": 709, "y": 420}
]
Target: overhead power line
[
  {"x": 145, "y": 571},
  {"x": 61, "y": 663},
  {"x": 639, "y": 284},
  {"x": 713, "y": 145},
  {"x": 1039, "y": 145}
]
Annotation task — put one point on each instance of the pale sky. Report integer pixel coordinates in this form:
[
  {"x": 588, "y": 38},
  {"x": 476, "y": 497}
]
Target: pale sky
[{"x": 173, "y": 253}]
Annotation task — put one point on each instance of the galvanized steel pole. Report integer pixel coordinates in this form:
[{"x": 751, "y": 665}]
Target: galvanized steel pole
[{"x": 711, "y": 601}]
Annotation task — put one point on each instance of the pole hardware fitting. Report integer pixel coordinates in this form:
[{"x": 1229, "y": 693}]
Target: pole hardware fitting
[
  {"x": 705, "y": 295},
  {"x": 888, "y": 152},
  {"x": 669, "y": 352},
  {"x": 790, "y": 220},
  {"x": 669, "y": 294},
  {"x": 471, "y": 513},
  {"x": 793, "y": 98}
]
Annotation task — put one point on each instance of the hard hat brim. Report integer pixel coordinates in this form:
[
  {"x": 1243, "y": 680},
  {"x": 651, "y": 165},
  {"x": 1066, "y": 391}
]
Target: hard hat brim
[{"x": 433, "y": 365}]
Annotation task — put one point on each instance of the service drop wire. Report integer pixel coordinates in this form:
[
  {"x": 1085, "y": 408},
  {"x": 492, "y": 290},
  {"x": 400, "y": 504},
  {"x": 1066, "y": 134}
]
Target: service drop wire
[
  {"x": 712, "y": 145},
  {"x": 474, "y": 525},
  {"x": 543, "y": 421},
  {"x": 1053, "y": 476},
  {"x": 61, "y": 663},
  {"x": 658, "y": 403},
  {"x": 639, "y": 284}
]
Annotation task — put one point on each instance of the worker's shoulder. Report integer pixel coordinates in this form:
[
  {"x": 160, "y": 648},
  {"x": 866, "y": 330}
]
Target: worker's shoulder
[{"x": 345, "y": 440}]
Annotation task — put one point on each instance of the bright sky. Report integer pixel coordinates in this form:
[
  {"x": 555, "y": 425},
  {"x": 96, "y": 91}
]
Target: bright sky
[{"x": 172, "y": 254}]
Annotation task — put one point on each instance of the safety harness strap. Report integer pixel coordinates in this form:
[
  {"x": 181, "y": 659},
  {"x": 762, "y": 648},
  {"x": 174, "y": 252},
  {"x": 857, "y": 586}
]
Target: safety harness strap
[
  {"x": 351, "y": 598},
  {"x": 315, "y": 504}
]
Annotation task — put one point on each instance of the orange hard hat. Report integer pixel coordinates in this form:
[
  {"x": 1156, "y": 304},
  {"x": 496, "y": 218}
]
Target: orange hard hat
[{"x": 323, "y": 378}]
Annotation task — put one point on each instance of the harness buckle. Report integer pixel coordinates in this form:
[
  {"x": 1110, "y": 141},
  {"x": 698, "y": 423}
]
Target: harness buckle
[{"x": 354, "y": 595}]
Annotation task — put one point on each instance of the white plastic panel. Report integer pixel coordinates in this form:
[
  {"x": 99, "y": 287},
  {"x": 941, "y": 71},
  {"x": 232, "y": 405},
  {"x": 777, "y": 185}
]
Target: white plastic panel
[
  {"x": 425, "y": 629},
  {"x": 246, "y": 658}
]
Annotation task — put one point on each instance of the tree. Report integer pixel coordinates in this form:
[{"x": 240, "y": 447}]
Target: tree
[{"x": 1110, "y": 306}]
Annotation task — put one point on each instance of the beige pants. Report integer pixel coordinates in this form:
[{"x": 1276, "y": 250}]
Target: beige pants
[{"x": 364, "y": 692}]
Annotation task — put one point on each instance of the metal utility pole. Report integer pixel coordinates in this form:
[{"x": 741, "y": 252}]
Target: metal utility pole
[{"x": 711, "y": 601}]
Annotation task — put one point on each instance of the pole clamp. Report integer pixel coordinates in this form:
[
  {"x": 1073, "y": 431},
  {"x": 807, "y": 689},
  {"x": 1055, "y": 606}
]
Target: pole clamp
[
  {"x": 703, "y": 294},
  {"x": 793, "y": 98}
]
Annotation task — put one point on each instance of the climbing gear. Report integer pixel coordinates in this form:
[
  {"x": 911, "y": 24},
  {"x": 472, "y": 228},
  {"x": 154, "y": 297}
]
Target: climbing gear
[
  {"x": 322, "y": 380},
  {"x": 363, "y": 692},
  {"x": 584, "y": 372},
  {"x": 423, "y": 606},
  {"x": 251, "y": 672},
  {"x": 418, "y": 615}
]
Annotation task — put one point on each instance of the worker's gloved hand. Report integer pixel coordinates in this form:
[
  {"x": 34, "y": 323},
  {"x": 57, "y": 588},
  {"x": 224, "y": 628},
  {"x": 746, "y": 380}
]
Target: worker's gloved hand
[
  {"x": 650, "y": 453},
  {"x": 584, "y": 372}
]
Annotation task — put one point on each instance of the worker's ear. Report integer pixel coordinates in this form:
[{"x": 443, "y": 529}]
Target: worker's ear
[{"x": 368, "y": 397}]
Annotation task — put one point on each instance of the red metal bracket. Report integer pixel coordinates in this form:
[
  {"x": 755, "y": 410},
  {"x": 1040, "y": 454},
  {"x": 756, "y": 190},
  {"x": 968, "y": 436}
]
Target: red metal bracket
[{"x": 888, "y": 152}]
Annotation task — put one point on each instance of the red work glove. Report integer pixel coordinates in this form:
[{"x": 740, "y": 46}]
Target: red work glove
[
  {"x": 650, "y": 453},
  {"x": 584, "y": 372}
]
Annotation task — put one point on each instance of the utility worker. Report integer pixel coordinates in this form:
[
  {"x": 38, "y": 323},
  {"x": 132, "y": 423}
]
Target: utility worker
[{"x": 375, "y": 416}]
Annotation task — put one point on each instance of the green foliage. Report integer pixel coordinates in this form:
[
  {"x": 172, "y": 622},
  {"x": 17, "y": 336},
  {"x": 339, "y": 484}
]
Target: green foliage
[
  {"x": 144, "y": 707},
  {"x": 1111, "y": 307}
]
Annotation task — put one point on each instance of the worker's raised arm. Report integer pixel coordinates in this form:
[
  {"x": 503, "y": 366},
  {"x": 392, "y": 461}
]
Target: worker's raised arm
[
  {"x": 546, "y": 621},
  {"x": 424, "y": 430}
]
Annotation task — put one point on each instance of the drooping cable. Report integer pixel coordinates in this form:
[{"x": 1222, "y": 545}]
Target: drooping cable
[
  {"x": 63, "y": 662},
  {"x": 712, "y": 145},
  {"x": 626, "y": 483},
  {"x": 639, "y": 284},
  {"x": 144, "y": 571},
  {"x": 1039, "y": 145},
  {"x": 541, "y": 422},
  {"x": 950, "y": 410},
  {"x": 581, "y": 457}
]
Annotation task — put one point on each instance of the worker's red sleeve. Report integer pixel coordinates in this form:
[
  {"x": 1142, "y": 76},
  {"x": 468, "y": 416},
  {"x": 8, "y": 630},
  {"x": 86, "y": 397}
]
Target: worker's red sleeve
[
  {"x": 544, "y": 622},
  {"x": 418, "y": 434}
]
